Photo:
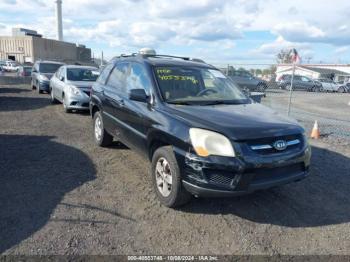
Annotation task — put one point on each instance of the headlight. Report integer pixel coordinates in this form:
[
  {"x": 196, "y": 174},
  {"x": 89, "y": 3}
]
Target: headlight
[
  {"x": 43, "y": 78},
  {"x": 207, "y": 143},
  {"x": 74, "y": 90}
]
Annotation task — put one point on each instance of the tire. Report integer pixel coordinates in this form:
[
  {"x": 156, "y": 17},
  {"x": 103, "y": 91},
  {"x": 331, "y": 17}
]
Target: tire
[
  {"x": 175, "y": 194},
  {"x": 33, "y": 86},
  {"x": 65, "y": 108},
  {"x": 261, "y": 88},
  {"x": 102, "y": 138},
  {"x": 288, "y": 87},
  {"x": 53, "y": 99},
  {"x": 341, "y": 90},
  {"x": 38, "y": 88}
]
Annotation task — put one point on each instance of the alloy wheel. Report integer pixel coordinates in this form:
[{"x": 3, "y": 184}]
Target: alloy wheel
[
  {"x": 98, "y": 128},
  {"x": 163, "y": 177}
]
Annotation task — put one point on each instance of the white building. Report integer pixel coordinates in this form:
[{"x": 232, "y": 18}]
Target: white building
[{"x": 338, "y": 73}]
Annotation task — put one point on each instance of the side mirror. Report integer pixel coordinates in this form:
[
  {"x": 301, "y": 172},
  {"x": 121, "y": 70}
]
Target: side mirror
[
  {"x": 62, "y": 78},
  {"x": 138, "y": 95}
]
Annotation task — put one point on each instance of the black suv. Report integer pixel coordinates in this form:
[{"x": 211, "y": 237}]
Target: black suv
[{"x": 203, "y": 136}]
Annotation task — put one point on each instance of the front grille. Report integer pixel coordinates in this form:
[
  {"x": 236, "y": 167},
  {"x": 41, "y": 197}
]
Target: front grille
[
  {"x": 270, "y": 174},
  {"x": 85, "y": 105},
  {"x": 265, "y": 145}
]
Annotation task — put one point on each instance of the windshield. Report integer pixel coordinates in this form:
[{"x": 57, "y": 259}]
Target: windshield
[
  {"x": 201, "y": 86},
  {"x": 49, "y": 68},
  {"x": 81, "y": 74}
]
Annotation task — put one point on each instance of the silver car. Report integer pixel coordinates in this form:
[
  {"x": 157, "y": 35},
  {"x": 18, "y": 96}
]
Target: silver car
[{"x": 71, "y": 86}]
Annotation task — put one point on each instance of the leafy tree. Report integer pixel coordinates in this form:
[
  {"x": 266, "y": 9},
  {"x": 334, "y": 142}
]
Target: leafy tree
[{"x": 258, "y": 72}]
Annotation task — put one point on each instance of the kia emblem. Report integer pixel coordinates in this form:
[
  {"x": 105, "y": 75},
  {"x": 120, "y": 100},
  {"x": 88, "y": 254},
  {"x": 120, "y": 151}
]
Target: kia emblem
[{"x": 280, "y": 145}]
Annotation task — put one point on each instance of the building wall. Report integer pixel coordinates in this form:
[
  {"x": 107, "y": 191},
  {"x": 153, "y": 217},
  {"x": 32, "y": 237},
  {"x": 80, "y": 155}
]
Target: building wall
[
  {"x": 47, "y": 49},
  {"x": 21, "y": 48},
  {"x": 298, "y": 71},
  {"x": 31, "y": 49}
]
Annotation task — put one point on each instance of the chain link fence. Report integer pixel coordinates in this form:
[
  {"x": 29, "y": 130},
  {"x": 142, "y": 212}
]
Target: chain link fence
[{"x": 307, "y": 93}]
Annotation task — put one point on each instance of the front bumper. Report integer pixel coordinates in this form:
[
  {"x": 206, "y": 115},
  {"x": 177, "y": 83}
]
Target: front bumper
[
  {"x": 80, "y": 102},
  {"x": 44, "y": 86},
  {"x": 216, "y": 176}
]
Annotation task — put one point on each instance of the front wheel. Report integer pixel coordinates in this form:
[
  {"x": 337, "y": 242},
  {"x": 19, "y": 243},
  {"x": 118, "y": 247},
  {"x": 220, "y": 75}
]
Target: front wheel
[
  {"x": 53, "y": 99},
  {"x": 102, "y": 138},
  {"x": 341, "y": 89},
  {"x": 316, "y": 89},
  {"x": 65, "y": 107},
  {"x": 261, "y": 88},
  {"x": 166, "y": 178}
]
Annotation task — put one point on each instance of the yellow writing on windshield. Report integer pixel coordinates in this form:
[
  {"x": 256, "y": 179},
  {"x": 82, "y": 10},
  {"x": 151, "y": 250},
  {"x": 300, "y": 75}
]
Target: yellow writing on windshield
[
  {"x": 163, "y": 71},
  {"x": 178, "y": 78}
]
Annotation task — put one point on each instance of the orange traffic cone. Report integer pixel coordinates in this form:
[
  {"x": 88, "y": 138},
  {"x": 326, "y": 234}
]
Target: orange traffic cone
[{"x": 315, "y": 133}]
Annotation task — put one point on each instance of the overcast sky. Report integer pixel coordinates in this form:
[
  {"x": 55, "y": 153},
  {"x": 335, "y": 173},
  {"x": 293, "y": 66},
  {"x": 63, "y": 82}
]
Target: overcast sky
[{"x": 222, "y": 32}]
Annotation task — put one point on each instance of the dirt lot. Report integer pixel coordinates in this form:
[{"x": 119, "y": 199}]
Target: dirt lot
[{"x": 60, "y": 194}]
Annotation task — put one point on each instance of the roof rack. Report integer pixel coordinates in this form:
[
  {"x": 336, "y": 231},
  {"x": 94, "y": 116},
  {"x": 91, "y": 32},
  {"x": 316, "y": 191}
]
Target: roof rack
[
  {"x": 160, "y": 56},
  {"x": 178, "y": 57}
]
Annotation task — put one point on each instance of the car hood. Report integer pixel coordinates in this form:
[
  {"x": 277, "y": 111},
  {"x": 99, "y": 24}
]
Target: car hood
[
  {"x": 48, "y": 75},
  {"x": 238, "y": 122},
  {"x": 81, "y": 84}
]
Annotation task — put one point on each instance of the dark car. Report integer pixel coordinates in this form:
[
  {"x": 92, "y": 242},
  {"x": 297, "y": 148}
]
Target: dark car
[
  {"x": 247, "y": 81},
  {"x": 299, "y": 83},
  {"x": 24, "y": 71},
  {"x": 203, "y": 136},
  {"x": 41, "y": 74}
]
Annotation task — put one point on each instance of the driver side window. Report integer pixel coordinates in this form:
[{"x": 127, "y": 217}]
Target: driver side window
[{"x": 138, "y": 79}]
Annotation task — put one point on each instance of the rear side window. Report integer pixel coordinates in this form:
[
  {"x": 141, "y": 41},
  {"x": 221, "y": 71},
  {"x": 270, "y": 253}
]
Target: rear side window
[{"x": 104, "y": 75}]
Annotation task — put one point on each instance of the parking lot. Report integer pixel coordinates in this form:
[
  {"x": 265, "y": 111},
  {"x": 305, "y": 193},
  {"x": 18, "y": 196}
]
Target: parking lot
[
  {"x": 331, "y": 110},
  {"x": 61, "y": 194}
]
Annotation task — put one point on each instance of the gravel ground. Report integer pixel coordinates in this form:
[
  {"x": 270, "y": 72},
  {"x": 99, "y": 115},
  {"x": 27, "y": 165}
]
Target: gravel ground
[{"x": 61, "y": 194}]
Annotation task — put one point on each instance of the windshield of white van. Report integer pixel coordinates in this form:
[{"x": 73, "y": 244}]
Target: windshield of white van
[{"x": 203, "y": 86}]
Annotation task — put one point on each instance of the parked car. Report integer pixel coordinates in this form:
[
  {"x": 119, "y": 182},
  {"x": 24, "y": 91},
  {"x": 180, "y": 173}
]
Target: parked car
[
  {"x": 71, "y": 85},
  {"x": 247, "y": 81},
  {"x": 41, "y": 74},
  {"x": 10, "y": 66},
  {"x": 299, "y": 83},
  {"x": 203, "y": 136},
  {"x": 330, "y": 86},
  {"x": 24, "y": 71},
  {"x": 2, "y": 64}
]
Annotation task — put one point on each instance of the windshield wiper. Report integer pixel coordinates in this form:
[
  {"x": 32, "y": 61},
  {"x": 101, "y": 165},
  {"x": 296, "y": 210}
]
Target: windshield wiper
[
  {"x": 180, "y": 103},
  {"x": 221, "y": 102}
]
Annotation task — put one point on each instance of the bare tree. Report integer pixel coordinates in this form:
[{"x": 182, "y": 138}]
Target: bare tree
[{"x": 283, "y": 57}]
